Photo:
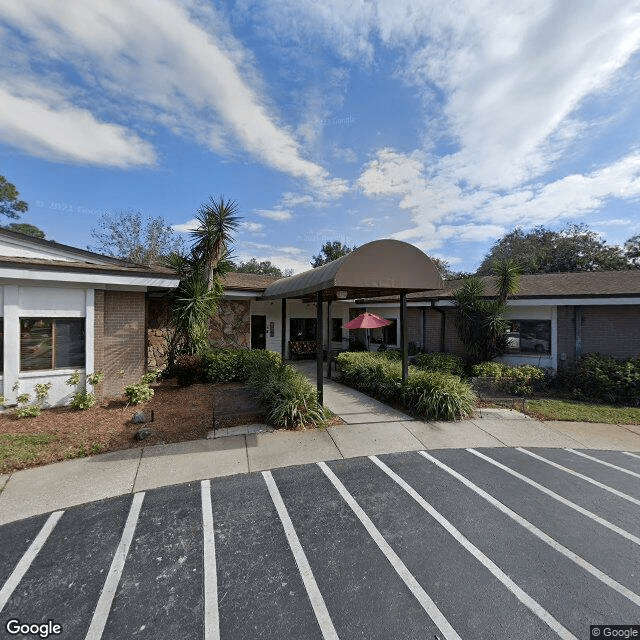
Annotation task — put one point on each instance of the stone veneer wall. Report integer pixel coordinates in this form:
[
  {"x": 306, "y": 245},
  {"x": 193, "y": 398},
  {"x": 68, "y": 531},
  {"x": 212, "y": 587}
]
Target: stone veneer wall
[{"x": 230, "y": 327}]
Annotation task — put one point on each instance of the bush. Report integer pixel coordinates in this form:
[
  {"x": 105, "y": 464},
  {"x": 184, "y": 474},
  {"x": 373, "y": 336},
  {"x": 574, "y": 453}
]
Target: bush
[
  {"x": 82, "y": 400},
  {"x": 607, "y": 379},
  {"x": 148, "y": 378},
  {"x": 432, "y": 394},
  {"x": 224, "y": 365},
  {"x": 29, "y": 411},
  {"x": 138, "y": 393},
  {"x": 519, "y": 381},
  {"x": 443, "y": 362},
  {"x": 290, "y": 398},
  {"x": 438, "y": 396},
  {"x": 188, "y": 369}
]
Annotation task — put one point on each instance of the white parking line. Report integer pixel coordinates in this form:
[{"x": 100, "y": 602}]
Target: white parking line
[
  {"x": 519, "y": 593},
  {"x": 606, "y": 464},
  {"x": 105, "y": 601},
  {"x": 559, "y": 498},
  {"x": 606, "y": 487},
  {"x": 317, "y": 601},
  {"x": 211, "y": 612},
  {"x": 28, "y": 557},
  {"x": 633, "y": 455},
  {"x": 416, "y": 589},
  {"x": 574, "y": 557}
]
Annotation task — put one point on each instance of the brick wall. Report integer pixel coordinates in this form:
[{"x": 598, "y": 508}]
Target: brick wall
[{"x": 120, "y": 339}]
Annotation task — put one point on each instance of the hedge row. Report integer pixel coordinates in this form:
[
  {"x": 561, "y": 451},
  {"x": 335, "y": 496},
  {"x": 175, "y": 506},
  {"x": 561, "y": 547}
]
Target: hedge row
[
  {"x": 290, "y": 399},
  {"x": 432, "y": 394},
  {"x": 605, "y": 379},
  {"x": 519, "y": 380}
]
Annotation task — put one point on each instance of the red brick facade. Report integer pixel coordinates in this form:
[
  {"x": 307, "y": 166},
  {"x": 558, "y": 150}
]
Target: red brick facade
[{"x": 119, "y": 339}]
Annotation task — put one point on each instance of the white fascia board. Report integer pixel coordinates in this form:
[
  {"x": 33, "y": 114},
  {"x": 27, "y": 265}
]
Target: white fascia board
[
  {"x": 241, "y": 295},
  {"x": 556, "y": 302},
  {"x": 95, "y": 280}
]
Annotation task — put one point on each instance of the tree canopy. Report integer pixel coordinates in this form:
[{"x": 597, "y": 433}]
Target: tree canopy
[
  {"x": 331, "y": 251},
  {"x": 264, "y": 267},
  {"x": 127, "y": 236},
  {"x": 541, "y": 250},
  {"x": 27, "y": 229},
  {"x": 10, "y": 203}
]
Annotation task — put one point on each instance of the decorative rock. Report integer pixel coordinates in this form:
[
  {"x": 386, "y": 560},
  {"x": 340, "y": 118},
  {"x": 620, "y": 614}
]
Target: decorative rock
[
  {"x": 144, "y": 433},
  {"x": 139, "y": 418}
]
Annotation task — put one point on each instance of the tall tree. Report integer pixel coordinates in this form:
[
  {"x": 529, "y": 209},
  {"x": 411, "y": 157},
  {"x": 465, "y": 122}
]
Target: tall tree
[
  {"x": 10, "y": 203},
  {"x": 264, "y": 267},
  {"x": 27, "y": 229},
  {"x": 128, "y": 236},
  {"x": 541, "y": 250},
  {"x": 217, "y": 220},
  {"x": 329, "y": 252},
  {"x": 479, "y": 319}
]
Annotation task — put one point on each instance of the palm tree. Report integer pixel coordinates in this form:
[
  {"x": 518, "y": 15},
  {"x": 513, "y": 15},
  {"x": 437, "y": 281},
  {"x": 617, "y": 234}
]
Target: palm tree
[{"x": 218, "y": 219}]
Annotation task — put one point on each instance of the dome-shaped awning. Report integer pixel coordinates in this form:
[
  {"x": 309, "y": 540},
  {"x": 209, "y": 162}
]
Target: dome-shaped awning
[{"x": 376, "y": 269}]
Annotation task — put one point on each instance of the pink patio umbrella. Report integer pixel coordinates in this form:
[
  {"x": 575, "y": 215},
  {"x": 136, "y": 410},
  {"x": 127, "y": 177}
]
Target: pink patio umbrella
[{"x": 367, "y": 321}]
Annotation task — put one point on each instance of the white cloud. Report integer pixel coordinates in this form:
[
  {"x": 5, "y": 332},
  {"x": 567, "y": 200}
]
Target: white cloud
[
  {"x": 152, "y": 52},
  {"x": 275, "y": 214},
  {"x": 48, "y": 126},
  {"x": 186, "y": 227},
  {"x": 285, "y": 257},
  {"x": 252, "y": 227}
]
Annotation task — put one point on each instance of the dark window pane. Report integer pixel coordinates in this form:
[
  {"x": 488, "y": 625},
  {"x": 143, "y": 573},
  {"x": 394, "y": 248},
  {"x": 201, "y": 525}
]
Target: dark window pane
[
  {"x": 69, "y": 342},
  {"x": 529, "y": 336},
  {"x": 35, "y": 344},
  {"x": 302, "y": 329},
  {"x": 336, "y": 329}
]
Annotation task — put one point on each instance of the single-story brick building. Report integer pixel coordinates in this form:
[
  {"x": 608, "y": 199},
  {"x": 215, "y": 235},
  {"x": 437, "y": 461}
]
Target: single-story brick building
[
  {"x": 553, "y": 319},
  {"x": 63, "y": 309}
]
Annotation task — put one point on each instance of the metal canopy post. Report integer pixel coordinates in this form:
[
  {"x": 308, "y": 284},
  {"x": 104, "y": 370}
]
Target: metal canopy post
[
  {"x": 404, "y": 343},
  {"x": 319, "y": 372},
  {"x": 329, "y": 340},
  {"x": 283, "y": 336}
]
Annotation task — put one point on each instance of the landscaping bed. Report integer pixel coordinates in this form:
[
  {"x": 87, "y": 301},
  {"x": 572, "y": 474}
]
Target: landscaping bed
[{"x": 64, "y": 433}]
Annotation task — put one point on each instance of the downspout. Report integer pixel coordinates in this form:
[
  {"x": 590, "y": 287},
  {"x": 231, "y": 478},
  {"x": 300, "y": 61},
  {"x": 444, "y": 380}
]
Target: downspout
[
  {"x": 442, "y": 324},
  {"x": 578, "y": 325}
]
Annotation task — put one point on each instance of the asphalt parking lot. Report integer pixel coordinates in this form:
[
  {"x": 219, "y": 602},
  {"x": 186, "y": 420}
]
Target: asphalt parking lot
[{"x": 475, "y": 544}]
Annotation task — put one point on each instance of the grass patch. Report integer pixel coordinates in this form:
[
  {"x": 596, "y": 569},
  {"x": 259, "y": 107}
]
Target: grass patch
[
  {"x": 549, "y": 409},
  {"x": 18, "y": 449}
]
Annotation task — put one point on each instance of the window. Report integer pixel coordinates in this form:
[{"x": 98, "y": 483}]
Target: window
[
  {"x": 301, "y": 329},
  {"x": 51, "y": 343},
  {"x": 336, "y": 329},
  {"x": 387, "y": 335},
  {"x": 529, "y": 336}
]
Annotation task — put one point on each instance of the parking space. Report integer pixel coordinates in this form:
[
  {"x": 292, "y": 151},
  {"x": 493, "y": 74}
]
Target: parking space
[{"x": 477, "y": 543}]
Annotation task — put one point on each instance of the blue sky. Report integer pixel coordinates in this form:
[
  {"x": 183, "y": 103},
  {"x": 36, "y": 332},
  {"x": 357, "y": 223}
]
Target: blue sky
[{"x": 444, "y": 124}]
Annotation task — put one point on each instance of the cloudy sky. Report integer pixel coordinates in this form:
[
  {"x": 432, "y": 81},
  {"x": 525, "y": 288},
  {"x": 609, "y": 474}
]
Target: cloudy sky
[{"x": 444, "y": 124}]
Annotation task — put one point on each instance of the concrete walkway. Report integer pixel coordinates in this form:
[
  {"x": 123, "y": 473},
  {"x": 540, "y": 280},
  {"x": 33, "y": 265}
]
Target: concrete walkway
[{"x": 371, "y": 428}]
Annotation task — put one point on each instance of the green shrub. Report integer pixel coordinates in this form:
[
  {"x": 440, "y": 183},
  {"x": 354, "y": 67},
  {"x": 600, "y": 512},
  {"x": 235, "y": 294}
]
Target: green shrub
[
  {"x": 438, "y": 396},
  {"x": 607, "y": 379},
  {"x": 432, "y": 394},
  {"x": 291, "y": 400},
  {"x": 224, "y": 365},
  {"x": 42, "y": 391},
  {"x": 29, "y": 411},
  {"x": 149, "y": 377},
  {"x": 443, "y": 362},
  {"x": 138, "y": 393},
  {"x": 23, "y": 398},
  {"x": 519, "y": 380},
  {"x": 96, "y": 378},
  {"x": 82, "y": 400},
  {"x": 188, "y": 369},
  {"x": 73, "y": 379}
]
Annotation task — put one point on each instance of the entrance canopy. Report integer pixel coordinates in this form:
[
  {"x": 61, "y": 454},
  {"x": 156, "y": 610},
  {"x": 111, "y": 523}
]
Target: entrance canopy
[{"x": 376, "y": 269}]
